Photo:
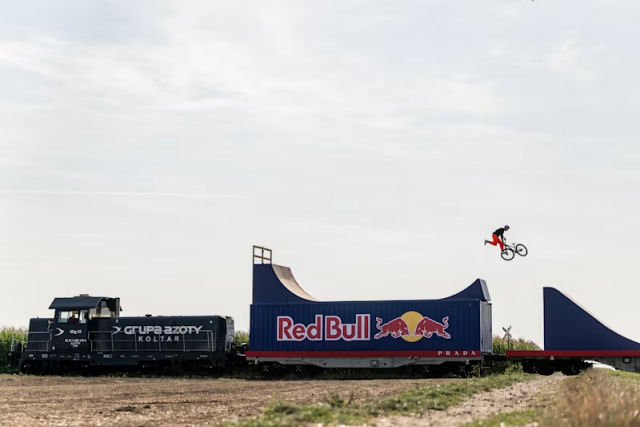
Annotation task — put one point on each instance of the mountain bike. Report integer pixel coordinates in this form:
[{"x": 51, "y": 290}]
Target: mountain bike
[{"x": 511, "y": 249}]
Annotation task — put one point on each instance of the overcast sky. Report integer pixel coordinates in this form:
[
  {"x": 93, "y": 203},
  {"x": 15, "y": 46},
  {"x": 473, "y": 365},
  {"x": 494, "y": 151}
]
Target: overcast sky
[{"x": 145, "y": 146}]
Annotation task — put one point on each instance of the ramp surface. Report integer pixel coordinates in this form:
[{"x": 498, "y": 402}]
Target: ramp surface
[
  {"x": 275, "y": 284},
  {"x": 285, "y": 276},
  {"x": 568, "y": 326}
]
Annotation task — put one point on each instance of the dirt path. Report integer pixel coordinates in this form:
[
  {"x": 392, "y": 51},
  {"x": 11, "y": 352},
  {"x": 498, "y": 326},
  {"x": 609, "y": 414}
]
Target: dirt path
[
  {"x": 32, "y": 400},
  {"x": 517, "y": 397}
]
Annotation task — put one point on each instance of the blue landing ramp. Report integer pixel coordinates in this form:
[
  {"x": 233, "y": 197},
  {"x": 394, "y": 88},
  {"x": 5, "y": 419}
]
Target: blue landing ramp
[{"x": 567, "y": 326}]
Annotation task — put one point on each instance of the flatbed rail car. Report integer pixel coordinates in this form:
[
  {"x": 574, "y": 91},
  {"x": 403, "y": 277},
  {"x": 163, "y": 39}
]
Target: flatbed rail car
[
  {"x": 88, "y": 332},
  {"x": 290, "y": 327},
  {"x": 572, "y": 336}
]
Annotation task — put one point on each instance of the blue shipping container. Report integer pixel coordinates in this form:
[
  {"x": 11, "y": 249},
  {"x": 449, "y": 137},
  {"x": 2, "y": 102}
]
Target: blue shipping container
[{"x": 289, "y": 326}]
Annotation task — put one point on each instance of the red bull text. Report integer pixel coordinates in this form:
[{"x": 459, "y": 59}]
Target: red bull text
[{"x": 331, "y": 328}]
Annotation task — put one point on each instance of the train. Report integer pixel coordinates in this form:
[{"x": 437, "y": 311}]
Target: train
[
  {"x": 87, "y": 332},
  {"x": 292, "y": 331}
]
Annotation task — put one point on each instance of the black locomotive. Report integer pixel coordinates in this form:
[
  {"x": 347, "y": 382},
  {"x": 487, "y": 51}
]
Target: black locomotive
[{"x": 88, "y": 332}]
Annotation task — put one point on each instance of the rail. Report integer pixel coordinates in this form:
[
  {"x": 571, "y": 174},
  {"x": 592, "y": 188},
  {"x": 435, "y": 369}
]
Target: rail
[
  {"x": 38, "y": 341},
  {"x": 136, "y": 342},
  {"x": 15, "y": 341}
]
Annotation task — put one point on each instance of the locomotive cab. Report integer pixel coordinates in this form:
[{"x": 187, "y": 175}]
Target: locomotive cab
[
  {"x": 75, "y": 317},
  {"x": 64, "y": 338}
]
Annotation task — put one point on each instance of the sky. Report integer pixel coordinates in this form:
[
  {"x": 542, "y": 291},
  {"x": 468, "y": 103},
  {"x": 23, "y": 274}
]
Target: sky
[{"x": 146, "y": 146}]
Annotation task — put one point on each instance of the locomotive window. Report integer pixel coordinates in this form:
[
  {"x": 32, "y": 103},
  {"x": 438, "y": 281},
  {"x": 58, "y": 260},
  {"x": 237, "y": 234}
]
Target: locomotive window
[
  {"x": 102, "y": 311},
  {"x": 67, "y": 317},
  {"x": 63, "y": 316},
  {"x": 74, "y": 316}
]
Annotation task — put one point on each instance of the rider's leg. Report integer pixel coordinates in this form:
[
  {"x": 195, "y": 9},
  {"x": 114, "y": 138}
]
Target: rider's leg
[
  {"x": 495, "y": 241},
  {"x": 501, "y": 244}
]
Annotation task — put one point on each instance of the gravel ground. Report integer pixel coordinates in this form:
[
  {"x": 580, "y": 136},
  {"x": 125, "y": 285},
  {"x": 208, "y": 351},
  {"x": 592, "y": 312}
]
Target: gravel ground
[
  {"x": 49, "y": 400},
  {"x": 517, "y": 397}
]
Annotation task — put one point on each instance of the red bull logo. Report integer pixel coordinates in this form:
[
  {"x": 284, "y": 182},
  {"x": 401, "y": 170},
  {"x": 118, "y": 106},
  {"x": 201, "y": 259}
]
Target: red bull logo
[
  {"x": 412, "y": 326},
  {"x": 396, "y": 328},
  {"x": 324, "y": 328}
]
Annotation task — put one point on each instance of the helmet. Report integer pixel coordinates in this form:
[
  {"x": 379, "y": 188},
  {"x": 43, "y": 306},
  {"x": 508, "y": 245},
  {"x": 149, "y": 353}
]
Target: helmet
[{"x": 506, "y": 227}]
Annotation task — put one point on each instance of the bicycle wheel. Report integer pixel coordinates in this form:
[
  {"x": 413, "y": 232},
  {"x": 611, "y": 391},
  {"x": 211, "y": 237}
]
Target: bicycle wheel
[
  {"x": 521, "y": 249},
  {"x": 507, "y": 254}
]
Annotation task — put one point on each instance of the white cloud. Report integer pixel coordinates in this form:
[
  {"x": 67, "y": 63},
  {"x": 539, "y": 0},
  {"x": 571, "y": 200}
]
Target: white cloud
[
  {"x": 573, "y": 61},
  {"x": 198, "y": 66}
]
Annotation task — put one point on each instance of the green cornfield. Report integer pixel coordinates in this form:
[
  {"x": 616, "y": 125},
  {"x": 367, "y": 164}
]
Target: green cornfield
[
  {"x": 241, "y": 338},
  {"x": 500, "y": 345},
  {"x": 7, "y": 335}
]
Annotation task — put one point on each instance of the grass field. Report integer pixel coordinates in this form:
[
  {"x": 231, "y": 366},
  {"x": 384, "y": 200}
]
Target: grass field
[
  {"x": 339, "y": 410},
  {"x": 596, "y": 397}
]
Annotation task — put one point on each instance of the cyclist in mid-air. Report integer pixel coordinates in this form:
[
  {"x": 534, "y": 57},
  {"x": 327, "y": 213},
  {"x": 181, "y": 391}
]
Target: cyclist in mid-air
[{"x": 498, "y": 237}]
